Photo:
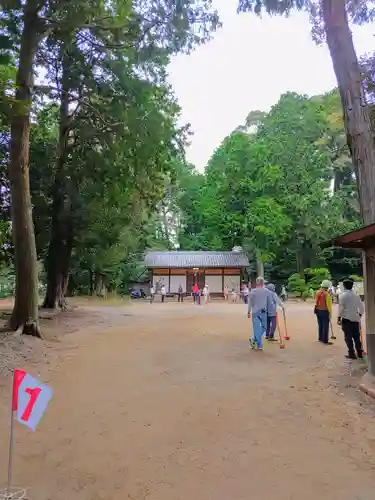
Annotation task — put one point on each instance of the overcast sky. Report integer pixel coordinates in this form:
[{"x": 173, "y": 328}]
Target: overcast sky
[{"x": 247, "y": 66}]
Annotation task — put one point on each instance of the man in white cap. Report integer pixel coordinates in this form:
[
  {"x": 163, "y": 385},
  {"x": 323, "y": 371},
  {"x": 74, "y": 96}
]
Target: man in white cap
[{"x": 323, "y": 311}]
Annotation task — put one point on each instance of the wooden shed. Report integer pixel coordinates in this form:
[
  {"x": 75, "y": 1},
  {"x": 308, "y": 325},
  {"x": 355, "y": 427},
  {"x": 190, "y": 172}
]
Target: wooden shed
[{"x": 216, "y": 269}]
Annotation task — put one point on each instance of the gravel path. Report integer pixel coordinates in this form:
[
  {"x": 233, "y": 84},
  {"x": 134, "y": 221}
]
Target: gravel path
[{"x": 167, "y": 402}]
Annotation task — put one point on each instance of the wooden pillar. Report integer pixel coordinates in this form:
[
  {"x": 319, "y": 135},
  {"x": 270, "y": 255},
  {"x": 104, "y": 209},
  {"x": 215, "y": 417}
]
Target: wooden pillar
[
  {"x": 369, "y": 286},
  {"x": 169, "y": 281},
  {"x": 222, "y": 280}
]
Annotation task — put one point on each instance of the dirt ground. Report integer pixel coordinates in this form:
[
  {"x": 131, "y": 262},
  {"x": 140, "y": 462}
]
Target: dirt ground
[{"x": 167, "y": 402}]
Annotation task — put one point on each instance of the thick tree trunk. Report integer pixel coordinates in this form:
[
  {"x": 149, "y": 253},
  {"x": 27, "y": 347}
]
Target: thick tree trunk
[
  {"x": 91, "y": 277},
  {"x": 356, "y": 112},
  {"x": 299, "y": 262},
  {"x": 25, "y": 311},
  {"x": 99, "y": 284},
  {"x": 58, "y": 265},
  {"x": 61, "y": 239},
  {"x": 304, "y": 258},
  {"x": 260, "y": 268},
  {"x": 359, "y": 136}
]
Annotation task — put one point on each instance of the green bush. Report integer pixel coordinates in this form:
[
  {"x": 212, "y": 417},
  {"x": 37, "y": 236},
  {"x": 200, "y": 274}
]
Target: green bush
[
  {"x": 315, "y": 276},
  {"x": 306, "y": 294},
  {"x": 355, "y": 278},
  {"x": 297, "y": 284}
]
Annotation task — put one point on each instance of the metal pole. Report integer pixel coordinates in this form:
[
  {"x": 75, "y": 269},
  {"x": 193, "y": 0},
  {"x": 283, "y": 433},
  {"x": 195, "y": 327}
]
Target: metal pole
[{"x": 10, "y": 460}]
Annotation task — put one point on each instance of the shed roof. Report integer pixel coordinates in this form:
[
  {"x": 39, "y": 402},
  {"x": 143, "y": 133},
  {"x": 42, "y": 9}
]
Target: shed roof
[
  {"x": 362, "y": 238},
  {"x": 179, "y": 258}
]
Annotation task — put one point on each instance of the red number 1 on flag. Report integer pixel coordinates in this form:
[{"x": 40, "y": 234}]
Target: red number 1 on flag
[
  {"x": 18, "y": 377},
  {"x": 34, "y": 393}
]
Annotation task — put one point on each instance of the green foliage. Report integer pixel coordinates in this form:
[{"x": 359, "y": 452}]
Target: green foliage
[
  {"x": 355, "y": 277},
  {"x": 297, "y": 284},
  {"x": 105, "y": 141},
  {"x": 7, "y": 281},
  {"x": 316, "y": 276},
  {"x": 270, "y": 191},
  {"x": 307, "y": 293}
]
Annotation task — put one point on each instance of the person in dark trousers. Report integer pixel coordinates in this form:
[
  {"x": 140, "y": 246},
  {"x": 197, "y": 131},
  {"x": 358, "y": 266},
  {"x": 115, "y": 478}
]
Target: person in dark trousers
[
  {"x": 274, "y": 303},
  {"x": 180, "y": 294},
  {"x": 350, "y": 313},
  {"x": 259, "y": 303},
  {"x": 163, "y": 292},
  {"x": 323, "y": 311},
  {"x": 197, "y": 294}
]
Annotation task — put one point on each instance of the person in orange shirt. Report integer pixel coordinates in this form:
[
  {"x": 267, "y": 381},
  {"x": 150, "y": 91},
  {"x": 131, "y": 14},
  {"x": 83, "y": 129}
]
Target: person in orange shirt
[{"x": 323, "y": 311}]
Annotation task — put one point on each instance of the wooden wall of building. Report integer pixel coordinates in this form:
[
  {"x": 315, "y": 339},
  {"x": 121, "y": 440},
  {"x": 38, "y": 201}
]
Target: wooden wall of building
[{"x": 215, "y": 278}]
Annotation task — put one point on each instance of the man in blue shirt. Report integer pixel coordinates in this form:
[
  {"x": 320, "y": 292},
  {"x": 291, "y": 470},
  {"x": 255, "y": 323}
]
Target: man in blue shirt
[{"x": 259, "y": 304}]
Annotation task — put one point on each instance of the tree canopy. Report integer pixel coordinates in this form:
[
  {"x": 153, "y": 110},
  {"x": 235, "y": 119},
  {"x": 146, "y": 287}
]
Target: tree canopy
[
  {"x": 90, "y": 125},
  {"x": 279, "y": 191}
]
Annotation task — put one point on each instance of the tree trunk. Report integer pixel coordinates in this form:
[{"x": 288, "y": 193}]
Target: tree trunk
[
  {"x": 91, "y": 277},
  {"x": 58, "y": 265},
  {"x": 356, "y": 112},
  {"x": 25, "y": 311},
  {"x": 99, "y": 283},
  {"x": 304, "y": 258},
  {"x": 61, "y": 239},
  {"x": 300, "y": 263},
  {"x": 260, "y": 268},
  {"x": 359, "y": 136}
]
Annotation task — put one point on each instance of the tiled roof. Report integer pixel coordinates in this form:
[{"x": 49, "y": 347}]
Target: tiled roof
[{"x": 196, "y": 259}]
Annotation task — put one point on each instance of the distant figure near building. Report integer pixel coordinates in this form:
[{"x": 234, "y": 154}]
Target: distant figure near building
[
  {"x": 196, "y": 294},
  {"x": 180, "y": 294},
  {"x": 206, "y": 294},
  {"x": 163, "y": 292},
  {"x": 350, "y": 312},
  {"x": 226, "y": 293},
  {"x": 323, "y": 311},
  {"x": 245, "y": 293},
  {"x": 152, "y": 294}
]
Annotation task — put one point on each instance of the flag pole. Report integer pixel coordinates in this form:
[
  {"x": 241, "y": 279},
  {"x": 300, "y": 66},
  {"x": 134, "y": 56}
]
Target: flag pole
[{"x": 10, "y": 458}]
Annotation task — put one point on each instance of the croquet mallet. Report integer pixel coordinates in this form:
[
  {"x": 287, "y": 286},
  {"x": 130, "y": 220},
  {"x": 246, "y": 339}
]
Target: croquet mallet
[
  {"x": 333, "y": 336},
  {"x": 282, "y": 345},
  {"x": 287, "y": 337}
]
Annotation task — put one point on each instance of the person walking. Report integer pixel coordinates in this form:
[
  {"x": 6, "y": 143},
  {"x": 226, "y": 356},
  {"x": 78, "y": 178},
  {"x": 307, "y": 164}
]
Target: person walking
[
  {"x": 275, "y": 302},
  {"x": 152, "y": 294},
  {"x": 323, "y": 311},
  {"x": 350, "y": 312},
  {"x": 206, "y": 294},
  {"x": 180, "y": 293},
  {"x": 196, "y": 293},
  {"x": 163, "y": 292},
  {"x": 283, "y": 293},
  {"x": 226, "y": 293},
  {"x": 245, "y": 292},
  {"x": 259, "y": 304}
]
